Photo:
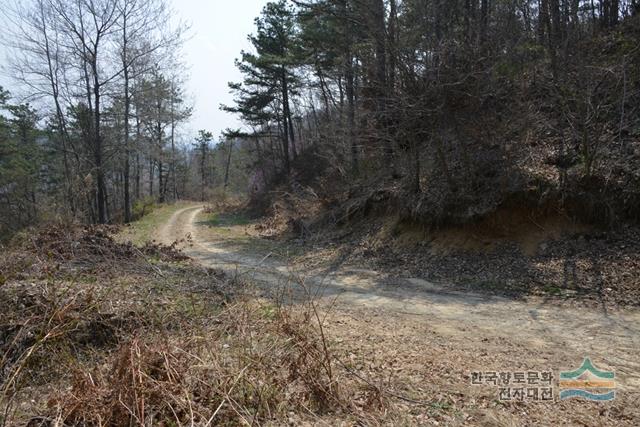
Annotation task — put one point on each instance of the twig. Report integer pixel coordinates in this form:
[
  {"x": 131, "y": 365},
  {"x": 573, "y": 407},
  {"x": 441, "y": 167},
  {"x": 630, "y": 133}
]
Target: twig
[
  {"x": 157, "y": 270},
  {"x": 392, "y": 394}
]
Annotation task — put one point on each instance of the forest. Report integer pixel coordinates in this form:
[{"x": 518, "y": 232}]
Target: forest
[
  {"x": 450, "y": 109},
  {"x": 446, "y": 111},
  {"x": 105, "y": 141},
  {"x": 411, "y": 195}
]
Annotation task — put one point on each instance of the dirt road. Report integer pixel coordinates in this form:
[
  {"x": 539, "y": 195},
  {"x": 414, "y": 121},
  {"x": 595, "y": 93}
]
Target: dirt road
[{"x": 560, "y": 335}]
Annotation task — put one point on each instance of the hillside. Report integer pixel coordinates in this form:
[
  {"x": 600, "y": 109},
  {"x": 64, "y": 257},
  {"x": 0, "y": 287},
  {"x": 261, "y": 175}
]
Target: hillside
[{"x": 319, "y": 212}]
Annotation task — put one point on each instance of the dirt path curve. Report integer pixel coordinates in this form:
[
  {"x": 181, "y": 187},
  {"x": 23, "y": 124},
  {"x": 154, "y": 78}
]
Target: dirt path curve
[{"x": 560, "y": 333}]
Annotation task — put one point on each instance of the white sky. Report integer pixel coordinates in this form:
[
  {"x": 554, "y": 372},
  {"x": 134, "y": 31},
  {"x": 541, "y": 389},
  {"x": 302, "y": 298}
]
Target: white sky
[{"x": 219, "y": 30}]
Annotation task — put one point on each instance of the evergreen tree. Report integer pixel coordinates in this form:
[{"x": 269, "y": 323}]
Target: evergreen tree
[
  {"x": 270, "y": 74},
  {"x": 20, "y": 162}
]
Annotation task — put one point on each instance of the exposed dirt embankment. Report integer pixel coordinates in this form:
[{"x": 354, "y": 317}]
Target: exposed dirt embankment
[
  {"x": 519, "y": 226},
  {"x": 518, "y": 249}
]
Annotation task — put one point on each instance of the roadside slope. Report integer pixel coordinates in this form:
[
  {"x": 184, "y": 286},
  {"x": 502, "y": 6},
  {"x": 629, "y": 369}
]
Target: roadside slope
[{"x": 559, "y": 333}]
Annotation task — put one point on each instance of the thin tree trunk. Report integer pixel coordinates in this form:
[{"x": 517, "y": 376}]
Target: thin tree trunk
[
  {"x": 285, "y": 127},
  {"x": 173, "y": 145},
  {"x": 127, "y": 111},
  {"x": 162, "y": 184},
  {"x": 138, "y": 173},
  {"x": 203, "y": 170},
  {"x": 62, "y": 127},
  {"x": 287, "y": 113},
  {"x": 349, "y": 88},
  {"x": 555, "y": 36},
  {"x": 152, "y": 166},
  {"x": 393, "y": 44},
  {"x": 138, "y": 163},
  {"x": 102, "y": 196},
  {"x": 226, "y": 169},
  {"x": 614, "y": 13},
  {"x": 484, "y": 20},
  {"x": 381, "y": 92}
]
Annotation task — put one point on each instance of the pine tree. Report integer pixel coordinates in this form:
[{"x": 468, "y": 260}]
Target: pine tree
[{"x": 270, "y": 74}]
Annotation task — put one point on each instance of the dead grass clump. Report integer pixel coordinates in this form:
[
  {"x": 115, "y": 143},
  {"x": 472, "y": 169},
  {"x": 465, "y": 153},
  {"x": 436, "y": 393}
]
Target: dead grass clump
[
  {"x": 181, "y": 347},
  {"x": 52, "y": 332},
  {"x": 309, "y": 361},
  {"x": 291, "y": 213},
  {"x": 254, "y": 365},
  {"x": 42, "y": 328},
  {"x": 144, "y": 382}
]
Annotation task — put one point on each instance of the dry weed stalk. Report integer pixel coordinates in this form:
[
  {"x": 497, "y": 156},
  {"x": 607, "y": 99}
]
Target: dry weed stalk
[{"x": 246, "y": 368}]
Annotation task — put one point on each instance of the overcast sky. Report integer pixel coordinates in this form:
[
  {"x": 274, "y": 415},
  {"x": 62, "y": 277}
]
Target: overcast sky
[{"x": 219, "y": 30}]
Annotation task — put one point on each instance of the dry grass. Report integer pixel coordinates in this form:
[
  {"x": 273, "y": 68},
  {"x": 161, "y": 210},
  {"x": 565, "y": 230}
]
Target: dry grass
[
  {"x": 89, "y": 339},
  {"x": 245, "y": 369},
  {"x": 169, "y": 343},
  {"x": 249, "y": 364}
]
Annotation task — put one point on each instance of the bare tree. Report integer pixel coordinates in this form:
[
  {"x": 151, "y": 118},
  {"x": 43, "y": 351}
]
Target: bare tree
[
  {"x": 83, "y": 56},
  {"x": 145, "y": 33}
]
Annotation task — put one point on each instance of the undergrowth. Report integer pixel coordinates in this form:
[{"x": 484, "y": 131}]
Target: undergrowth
[{"x": 94, "y": 334}]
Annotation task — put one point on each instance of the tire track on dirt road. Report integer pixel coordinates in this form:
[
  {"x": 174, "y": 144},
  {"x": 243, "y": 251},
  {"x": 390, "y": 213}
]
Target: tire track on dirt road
[{"x": 568, "y": 333}]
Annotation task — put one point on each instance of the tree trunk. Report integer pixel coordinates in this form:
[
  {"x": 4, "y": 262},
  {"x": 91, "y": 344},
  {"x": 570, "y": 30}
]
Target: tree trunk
[
  {"x": 161, "y": 183},
  {"x": 173, "y": 145},
  {"x": 467, "y": 21},
  {"x": 393, "y": 44},
  {"x": 416, "y": 168},
  {"x": 127, "y": 112},
  {"x": 160, "y": 154},
  {"x": 138, "y": 173},
  {"x": 575, "y": 7},
  {"x": 379, "y": 31},
  {"x": 556, "y": 22},
  {"x": 543, "y": 22},
  {"x": 102, "y": 197},
  {"x": 555, "y": 37},
  {"x": 203, "y": 170},
  {"x": 381, "y": 92},
  {"x": 351, "y": 114},
  {"x": 484, "y": 20},
  {"x": 287, "y": 113},
  {"x": 350, "y": 88},
  {"x": 152, "y": 166},
  {"x": 226, "y": 169},
  {"x": 138, "y": 164},
  {"x": 62, "y": 127},
  {"x": 614, "y": 13},
  {"x": 285, "y": 127},
  {"x": 323, "y": 90}
]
